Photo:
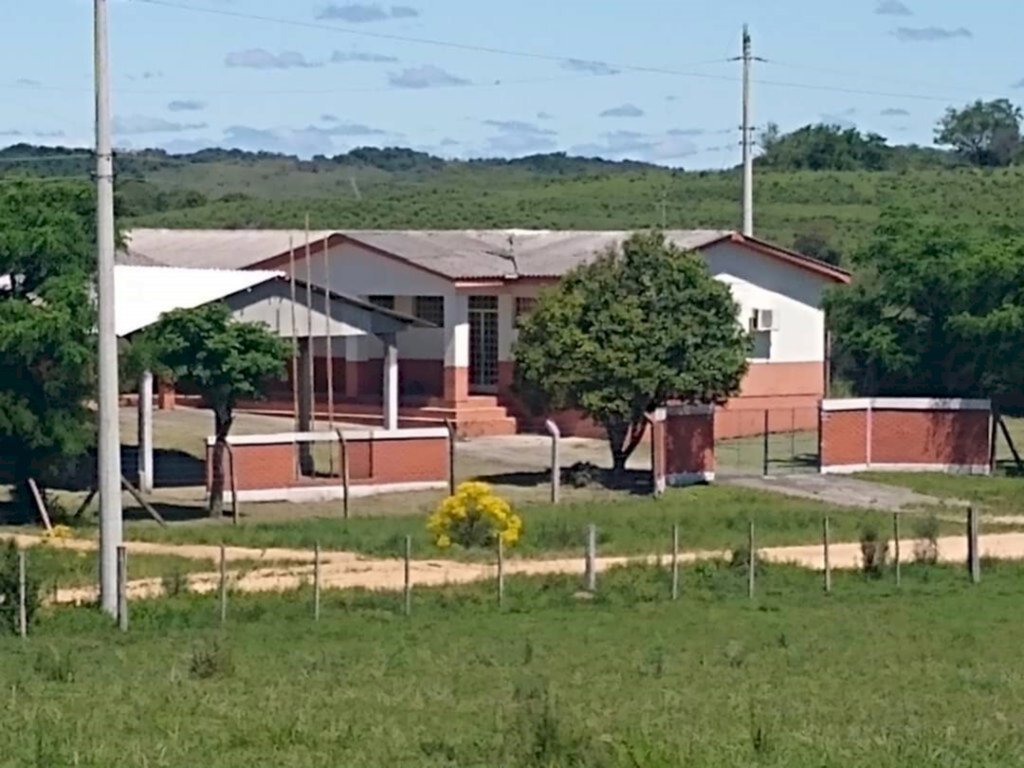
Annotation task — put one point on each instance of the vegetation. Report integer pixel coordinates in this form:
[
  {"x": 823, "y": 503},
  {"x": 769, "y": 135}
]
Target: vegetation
[
  {"x": 622, "y": 335},
  {"x": 712, "y": 518},
  {"x": 934, "y": 311},
  {"x": 207, "y": 352},
  {"x": 475, "y": 516},
  {"x": 868, "y": 677},
  {"x": 986, "y": 134},
  {"x": 47, "y": 241}
]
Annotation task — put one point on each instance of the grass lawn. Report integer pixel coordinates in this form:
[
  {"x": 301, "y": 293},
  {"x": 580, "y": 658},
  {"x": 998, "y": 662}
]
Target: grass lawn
[
  {"x": 1000, "y": 495},
  {"x": 711, "y": 517},
  {"x": 870, "y": 677}
]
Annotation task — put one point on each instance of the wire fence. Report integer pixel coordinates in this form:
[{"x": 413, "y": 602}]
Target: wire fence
[{"x": 767, "y": 442}]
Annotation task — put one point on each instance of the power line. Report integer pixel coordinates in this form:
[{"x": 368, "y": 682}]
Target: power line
[
  {"x": 423, "y": 40},
  {"x": 87, "y": 156},
  {"x": 861, "y": 76}
]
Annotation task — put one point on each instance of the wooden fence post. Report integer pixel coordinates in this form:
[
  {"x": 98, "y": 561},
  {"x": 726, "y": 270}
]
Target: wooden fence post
[
  {"x": 344, "y": 474},
  {"x": 122, "y": 588},
  {"x": 452, "y": 435},
  {"x": 896, "y": 545},
  {"x": 828, "y": 561},
  {"x": 766, "y": 458},
  {"x": 973, "y": 553},
  {"x": 234, "y": 483},
  {"x": 675, "y": 561},
  {"x": 408, "y": 575},
  {"x": 223, "y": 585},
  {"x": 316, "y": 582},
  {"x": 501, "y": 572},
  {"x": 22, "y": 594},
  {"x": 751, "y": 560},
  {"x": 591, "y": 559}
]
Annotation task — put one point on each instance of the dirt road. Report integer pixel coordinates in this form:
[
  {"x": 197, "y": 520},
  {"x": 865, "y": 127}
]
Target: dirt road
[{"x": 345, "y": 570}]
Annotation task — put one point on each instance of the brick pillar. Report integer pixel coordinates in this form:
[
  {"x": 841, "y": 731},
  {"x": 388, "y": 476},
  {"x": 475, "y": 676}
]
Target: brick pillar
[
  {"x": 689, "y": 444},
  {"x": 166, "y": 396}
]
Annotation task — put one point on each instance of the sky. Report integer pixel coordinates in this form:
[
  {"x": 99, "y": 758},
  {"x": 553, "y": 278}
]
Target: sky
[{"x": 641, "y": 79}]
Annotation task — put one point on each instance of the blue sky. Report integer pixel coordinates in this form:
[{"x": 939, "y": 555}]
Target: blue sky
[{"x": 646, "y": 79}]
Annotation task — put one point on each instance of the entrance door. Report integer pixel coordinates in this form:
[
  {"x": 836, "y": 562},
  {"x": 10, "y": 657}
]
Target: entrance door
[{"x": 483, "y": 344}]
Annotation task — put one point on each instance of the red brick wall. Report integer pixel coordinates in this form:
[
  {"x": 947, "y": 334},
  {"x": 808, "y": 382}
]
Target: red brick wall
[
  {"x": 257, "y": 466},
  {"x": 940, "y": 437},
  {"x": 689, "y": 443}
]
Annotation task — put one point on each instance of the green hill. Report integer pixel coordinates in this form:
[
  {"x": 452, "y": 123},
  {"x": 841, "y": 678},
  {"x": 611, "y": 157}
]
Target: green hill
[{"x": 825, "y": 210}]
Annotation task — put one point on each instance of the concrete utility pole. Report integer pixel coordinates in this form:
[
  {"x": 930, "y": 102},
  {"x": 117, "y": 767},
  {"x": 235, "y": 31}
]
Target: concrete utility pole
[
  {"x": 748, "y": 140},
  {"x": 109, "y": 446}
]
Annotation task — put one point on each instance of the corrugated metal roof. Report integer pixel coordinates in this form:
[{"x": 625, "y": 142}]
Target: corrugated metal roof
[
  {"x": 476, "y": 254},
  {"x": 211, "y": 248},
  {"x": 144, "y": 293}
]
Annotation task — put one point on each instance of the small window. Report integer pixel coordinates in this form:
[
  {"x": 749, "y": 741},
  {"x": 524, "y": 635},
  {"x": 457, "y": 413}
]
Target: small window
[
  {"x": 384, "y": 302},
  {"x": 524, "y": 306},
  {"x": 483, "y": 303},
  {"x": 430, "y": 309}
]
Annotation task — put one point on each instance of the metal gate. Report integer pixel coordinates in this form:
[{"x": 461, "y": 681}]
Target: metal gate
[{"x": 780, "y": 441}]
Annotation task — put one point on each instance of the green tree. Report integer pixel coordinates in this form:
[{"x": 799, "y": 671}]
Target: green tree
[
  {"x": 641, "y": 325},
  {"x": 47, "y": 344},
  {"x": 204, "y": 350},
  {"x": 985, "y": 133},
  {"x": 933, "y": 312}
]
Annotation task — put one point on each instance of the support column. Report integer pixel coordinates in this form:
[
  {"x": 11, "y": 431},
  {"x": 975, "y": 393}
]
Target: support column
[
  {"x": 390, "y": 381},
  {"x": 456, "y": 348},
  {"x": 145, "y": 449},
  {"x": 167, "y": 397},
  {"x": 506, "y": 340}
]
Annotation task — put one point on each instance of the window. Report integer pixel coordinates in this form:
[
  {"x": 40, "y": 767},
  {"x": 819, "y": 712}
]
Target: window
[
  {"x": 524, "y": 306},
  {"x": 430, "y": 309},
  {"x": 384, "y": 302}
]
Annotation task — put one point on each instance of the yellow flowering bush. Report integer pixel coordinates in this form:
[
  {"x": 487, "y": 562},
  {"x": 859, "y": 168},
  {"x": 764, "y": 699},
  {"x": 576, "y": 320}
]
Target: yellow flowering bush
[
  {"x": 60, "y": 532},
  {"x": 475, "y": 516}
]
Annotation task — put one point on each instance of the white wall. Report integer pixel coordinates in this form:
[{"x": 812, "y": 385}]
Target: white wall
[{"x": 793, "y": 294}]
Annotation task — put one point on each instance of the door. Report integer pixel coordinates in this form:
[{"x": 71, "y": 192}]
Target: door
[{"x": 483, "y": 344}]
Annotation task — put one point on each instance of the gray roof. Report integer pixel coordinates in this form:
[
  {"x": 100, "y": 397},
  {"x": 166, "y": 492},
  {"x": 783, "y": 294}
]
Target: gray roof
[
  {"x": 210, "y": 248},
  {"x": 475, "y": 254}
]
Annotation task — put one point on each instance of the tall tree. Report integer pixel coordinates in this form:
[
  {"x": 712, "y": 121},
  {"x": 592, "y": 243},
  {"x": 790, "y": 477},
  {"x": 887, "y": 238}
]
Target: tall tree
[
  {"x": 985, "y": 133},
  {"x": 204, "y": 350},
  {"x": 642, "y": 324},
  {"x": 933, "y": 312},
  {"x": 47, "y": 321}
]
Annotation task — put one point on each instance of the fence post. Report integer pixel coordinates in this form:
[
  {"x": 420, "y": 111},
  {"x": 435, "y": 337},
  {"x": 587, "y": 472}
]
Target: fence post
[
  {"x": 344, "y": 474},
  {"x": 452, "y": 435},
  {"x": 675, "y": 561},
  {"x": 828, "y": 561},
  {"x": 22, "y": 594},
  {"x": 556, "y": 469},
  {"x": 234, "y": 483},
  {"x": 316, "y": 582},
  {"x": 408, "y": 575},
  {"x": 122, "y": 588},
  {"x": 501, "y": 572},
  {"x": 591, "y": 559},
  {"x": 223, "y": 585},
  {"x": 973, "y": 554},
  {"x": 751, "y": 561},
  {"x": 896, "y": 544},
  {"x": 766, "y": 441}
]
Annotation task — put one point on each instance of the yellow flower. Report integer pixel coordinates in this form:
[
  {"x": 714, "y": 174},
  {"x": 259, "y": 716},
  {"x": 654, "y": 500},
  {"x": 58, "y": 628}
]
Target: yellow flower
[
  {"x": 59, "y": 532},
  {"x": 474, "y": 516}
]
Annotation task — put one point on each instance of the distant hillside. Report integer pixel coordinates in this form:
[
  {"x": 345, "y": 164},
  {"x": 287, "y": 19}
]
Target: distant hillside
[{"x": 826, "y": 212}]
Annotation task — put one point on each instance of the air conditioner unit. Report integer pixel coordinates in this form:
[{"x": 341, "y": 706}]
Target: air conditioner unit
[{"x": 763, "y": 320}]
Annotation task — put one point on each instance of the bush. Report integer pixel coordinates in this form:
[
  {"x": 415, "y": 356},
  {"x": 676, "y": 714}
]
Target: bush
[
  {"x": 926, "y": 548},
  {"x": 9, "y": 590},
  {"x": 874, "y": 550},
  {"x": 210, "y": 660},
  {"x": 582, "y": 474},
  {"x": 474, "y": 517}
]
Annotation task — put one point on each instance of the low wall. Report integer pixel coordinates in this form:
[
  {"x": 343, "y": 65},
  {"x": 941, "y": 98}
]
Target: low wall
[
  {"x": 683, "y": 446},
  {"x": 906, "y": 435},
  {"x": 267, "y": 467}
]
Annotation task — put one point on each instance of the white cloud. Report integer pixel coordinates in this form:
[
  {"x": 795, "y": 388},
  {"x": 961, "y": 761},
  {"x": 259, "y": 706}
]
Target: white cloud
[
  {"x": 260, "y": 58},
  {"x": 186, "y": 105},
  {"x": 362, "y": 13},
  {"x": 892, "y": 8},
  {"x": 339, "y": 57},
  {"x": 623, "y": 110},
  {"x": 930, "y": 34},
  {"x": 427, "y": 76},
  {"x": 590, "y": 67},
  {"x": 136, "y": 124}
]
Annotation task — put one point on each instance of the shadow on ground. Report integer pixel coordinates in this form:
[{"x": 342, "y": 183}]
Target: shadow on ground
[{"x": 636, "y": 482}]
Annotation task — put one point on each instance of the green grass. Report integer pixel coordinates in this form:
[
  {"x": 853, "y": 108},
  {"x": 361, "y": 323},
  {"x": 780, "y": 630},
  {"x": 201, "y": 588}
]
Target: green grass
[
  {"x": 996, "y": 495},
  {"x": 871, "y": 677},
  {"x": 713, "y": 517}
]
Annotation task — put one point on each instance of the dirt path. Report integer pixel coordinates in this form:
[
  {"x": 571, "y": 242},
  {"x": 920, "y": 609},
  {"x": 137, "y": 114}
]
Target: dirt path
[{"x": 346, "y": 570}]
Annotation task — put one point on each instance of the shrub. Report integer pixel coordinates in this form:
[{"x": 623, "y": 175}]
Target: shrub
[
  {"x": 210, "y": 660},
  {"x": 926, "y": 548},
  {"x": 474, "y": 517},
  {"x": 582, "y": 474},
  {"x": 9, "y": 590},
  {"x": 874, "y": 550}
]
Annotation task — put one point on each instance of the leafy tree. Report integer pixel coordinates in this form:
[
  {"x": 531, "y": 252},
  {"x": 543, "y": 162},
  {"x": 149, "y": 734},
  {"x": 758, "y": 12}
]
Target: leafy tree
[
  {"x": 985, "y": 133},
  {"x": 817, "y": 241},
  {"x": 47, "y": 346},
  {"x": 206, "y": 351},
  {"x": 639, "y": 326},
  {"x": 824, "y": 147},
  {"x": 933, "y": 312}
]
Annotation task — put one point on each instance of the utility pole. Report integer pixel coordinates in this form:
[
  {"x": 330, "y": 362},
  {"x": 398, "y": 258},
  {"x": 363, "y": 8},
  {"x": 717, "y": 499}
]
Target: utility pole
[
  {"x": 748, "y": 140},
  {"x": 109, "y": 446}
]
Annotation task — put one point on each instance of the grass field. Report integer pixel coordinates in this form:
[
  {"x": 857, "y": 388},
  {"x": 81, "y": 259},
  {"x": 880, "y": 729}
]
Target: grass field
[
  {"x": 872, "y": 677},
  {"x": 711, "y": 517}
]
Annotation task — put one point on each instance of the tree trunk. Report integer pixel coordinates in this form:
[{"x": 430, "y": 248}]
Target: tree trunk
[
  {"x": 623, "y": 439},
  {"x": 222, "y": 426}
]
